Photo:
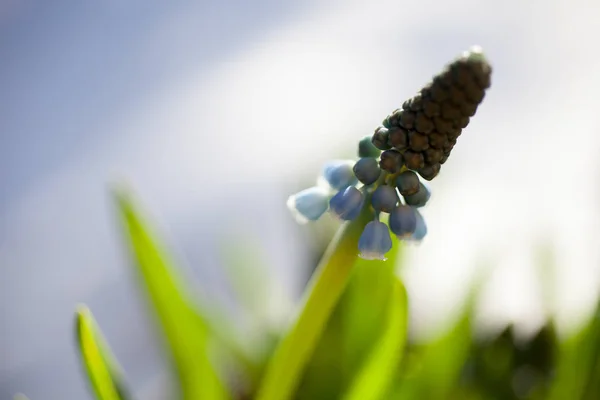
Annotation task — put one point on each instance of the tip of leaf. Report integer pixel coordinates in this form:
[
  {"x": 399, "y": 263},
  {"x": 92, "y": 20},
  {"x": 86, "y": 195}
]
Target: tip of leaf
[
  {"x": 122, "y": 193},
  {"x": 81, "y": 310},
  {"x": 123, "y": 197},
  {"x": 82, "y": 313},
  {"x": 119, "y": 186}
]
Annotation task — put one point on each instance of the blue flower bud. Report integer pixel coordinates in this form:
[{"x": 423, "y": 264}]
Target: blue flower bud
[
  {"x": 403, "y": 221},
  {"x": 367, "y": 170},
  {"x": 309, "y": 204},
  {"x": 421, "y": 228},
  {"x": 420, "y": 198},
  {"x": 375, "y": 241},
  {"x": 339, "y": 174},
  {"x": 347, "y": 203},
  {"x": 384, "y": 198}
]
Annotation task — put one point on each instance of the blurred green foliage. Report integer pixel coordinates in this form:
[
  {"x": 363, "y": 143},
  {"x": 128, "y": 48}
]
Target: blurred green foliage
[
  {"x": 349, "y": 339},
  {"x": 102, "y": 369},
  {"x": 185, "y": 331}
]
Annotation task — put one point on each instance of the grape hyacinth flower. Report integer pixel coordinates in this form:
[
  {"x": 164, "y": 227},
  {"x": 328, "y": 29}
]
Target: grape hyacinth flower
[
  {"x": 403, "y": 221},
  {"x": 410, "y": 146},
  {"x": 375, "y": 241},
  {"x": 421, "y": 228},
  {"x": 339, "y": 174},
  {"x": 347, "y": 203},
  {"x": 309, "y": 204},
  {"x": 384, "y": 198}
]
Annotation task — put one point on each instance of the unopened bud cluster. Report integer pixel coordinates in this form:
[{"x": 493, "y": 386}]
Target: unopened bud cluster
[{"x": 422, "y": 134}]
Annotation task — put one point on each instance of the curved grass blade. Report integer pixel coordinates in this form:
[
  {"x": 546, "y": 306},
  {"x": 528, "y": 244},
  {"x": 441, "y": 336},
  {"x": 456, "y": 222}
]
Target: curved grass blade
[
  {"x": 186, "y": 333},
  {"x": 103, "y": 372},
  {"x": 376, "y": 376},
  {"x": 325, "y": 289}
]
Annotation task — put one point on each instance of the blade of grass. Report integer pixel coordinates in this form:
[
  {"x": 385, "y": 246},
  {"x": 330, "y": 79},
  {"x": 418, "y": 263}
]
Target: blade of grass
[
  {"x": 578, "y": 367},
  {"x": 364, "y": 307},
  {"x": 322, "y": 378},
  {"x": 438, "y": 364},
  {"x": 353, "y": 329},
  {"x": 592, "y": 387},
  {"x": 377, "y": 373},
  {"x": 325, "y": 288},
  {"x": 102, "y": 370},
  {"x": 185, "y": 331}
]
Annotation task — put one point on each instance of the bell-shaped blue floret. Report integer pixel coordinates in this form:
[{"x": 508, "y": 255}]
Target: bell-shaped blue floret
[
  {"x": 375, "y": 241},
  {"x": 347, "y": 203},
  {"x": 421, "y": 229},
  {"x": 339, "y": 174},
  {"x": 384, "y": 198},
  {"x": 403, "y": 221},
  {"x": 309, "y": 204}
]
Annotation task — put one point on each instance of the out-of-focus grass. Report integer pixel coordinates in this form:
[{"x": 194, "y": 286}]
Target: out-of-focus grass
[
  {"x": 376, "y": 375},
  {"x": 432, "y": 369},
  {"x": 186, "y": 332},
  {"x": 349, "y": 340},
  {"x": 285, "y": 368},
  {"x": 102, "y": 370},
  {"x": 578, "y": 369},
  {"x": 354, "y": 329}
]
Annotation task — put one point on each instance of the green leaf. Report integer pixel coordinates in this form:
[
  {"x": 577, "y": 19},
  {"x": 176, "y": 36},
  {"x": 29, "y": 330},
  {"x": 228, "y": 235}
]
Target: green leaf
[
  {"x": 355, "y": 327},
  {"x": 435, "y": 368},
  {"x": 327, "y": 285},
  {"x": 578, "y": 368},
  {"x": 102, "y": 370},
  {"x": 364, "y": 307},
  {"x": 186, "y": 332},
  {"x": 592, "y": 388},
  {"x": 377, "y": 373}
]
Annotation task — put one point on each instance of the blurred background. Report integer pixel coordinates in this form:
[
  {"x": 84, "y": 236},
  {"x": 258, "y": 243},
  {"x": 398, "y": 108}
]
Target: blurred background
[{"x": 217, "y": 111}]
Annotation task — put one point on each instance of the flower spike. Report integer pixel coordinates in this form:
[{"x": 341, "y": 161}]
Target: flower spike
[{"x": 407, "y": 149}]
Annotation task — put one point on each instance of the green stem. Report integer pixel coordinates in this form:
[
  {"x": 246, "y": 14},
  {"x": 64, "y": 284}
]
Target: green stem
[{"x": 325, "y": 288}]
